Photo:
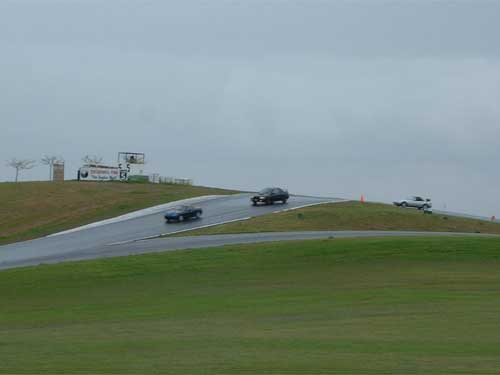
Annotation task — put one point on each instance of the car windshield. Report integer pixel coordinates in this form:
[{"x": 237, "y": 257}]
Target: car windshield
[
  {"x": 265, "y": 191},
  {"x": 178, "y": 209}
]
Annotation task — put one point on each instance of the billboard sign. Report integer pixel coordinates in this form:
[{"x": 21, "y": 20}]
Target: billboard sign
[
  {"x": 97, "y": 172},
  {"x": 131, "y": 158},
  {"x": 132, "y": 163}
]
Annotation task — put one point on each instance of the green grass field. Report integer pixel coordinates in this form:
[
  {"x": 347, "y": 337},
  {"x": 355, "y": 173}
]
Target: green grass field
[
  {"x": 353, "y": 216},
  {"x": 401, "y": 305},
  {"x": 33, "y": 209}
]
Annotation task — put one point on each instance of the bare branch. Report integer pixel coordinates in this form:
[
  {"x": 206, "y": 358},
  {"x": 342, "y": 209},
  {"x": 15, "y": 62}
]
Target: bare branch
[
  {"x": 50, "y": 161},
  {"x": 92, "y": 159},
  {"x": 20, "y": 164}
]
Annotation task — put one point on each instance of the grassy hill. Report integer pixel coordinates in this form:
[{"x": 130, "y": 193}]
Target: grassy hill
[
  {"x": 354, "y": 216},
  {"x": 33, "y": 209},
  {"x": 426, "y": 305}
]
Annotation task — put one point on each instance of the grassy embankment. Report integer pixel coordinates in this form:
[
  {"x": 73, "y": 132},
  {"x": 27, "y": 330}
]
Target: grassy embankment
[
  {"x": 33, "y": 209},
  {"x": 353, "y": 216},
  {"x": 409, "y": 305}
]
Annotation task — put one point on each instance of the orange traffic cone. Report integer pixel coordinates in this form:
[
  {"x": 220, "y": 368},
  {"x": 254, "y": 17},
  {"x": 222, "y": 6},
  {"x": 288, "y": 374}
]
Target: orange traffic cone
[{"x": 362, "y": 199}]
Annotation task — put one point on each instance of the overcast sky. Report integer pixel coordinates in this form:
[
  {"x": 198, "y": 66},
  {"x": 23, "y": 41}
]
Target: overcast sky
[{"x": 335, "y": 98}]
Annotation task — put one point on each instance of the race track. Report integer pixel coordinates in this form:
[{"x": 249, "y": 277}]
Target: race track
[
  {"x": 131, "y": 236},
  {"x": 197, "y": 242},
  {"x": 97, "y": 240}
]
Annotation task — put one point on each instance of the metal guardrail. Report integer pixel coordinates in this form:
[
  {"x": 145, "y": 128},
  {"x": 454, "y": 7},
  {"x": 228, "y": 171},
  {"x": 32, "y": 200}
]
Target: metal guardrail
[{"x": 170, "y": 180}]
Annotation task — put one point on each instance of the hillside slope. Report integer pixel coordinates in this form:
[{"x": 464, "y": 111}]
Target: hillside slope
[
  {"x": 354, "y": 216},
  {"x": 33, "y": 209}
]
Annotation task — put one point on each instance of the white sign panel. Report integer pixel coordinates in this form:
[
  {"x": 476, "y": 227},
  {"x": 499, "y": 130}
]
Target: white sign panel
[{"x": 100, "y": 173}]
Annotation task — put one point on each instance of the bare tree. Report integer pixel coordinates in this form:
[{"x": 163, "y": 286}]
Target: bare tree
[
  {"x": 20, "y": 165},
  {"x": 50, "y": 161},
  {"x": 92, "y": 159}
]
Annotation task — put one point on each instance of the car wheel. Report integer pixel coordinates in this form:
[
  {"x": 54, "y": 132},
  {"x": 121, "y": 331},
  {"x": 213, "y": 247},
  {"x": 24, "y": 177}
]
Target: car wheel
[
  {"x": 404, "y": 204},
  {"x": 254, "y": 203},
  {"x": 168, "y": 220},
  {"x": 181, "y": 218}
]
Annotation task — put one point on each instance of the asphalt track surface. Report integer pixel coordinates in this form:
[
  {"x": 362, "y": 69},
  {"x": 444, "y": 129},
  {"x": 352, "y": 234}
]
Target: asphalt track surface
[
  {"x": 94, "y": 242},
  {"x": 126, "y": 237},
  {"x": 198, "y": 242}
]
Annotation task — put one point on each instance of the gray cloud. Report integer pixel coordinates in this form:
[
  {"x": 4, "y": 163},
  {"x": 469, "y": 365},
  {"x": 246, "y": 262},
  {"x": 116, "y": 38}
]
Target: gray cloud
[{"x": 340, "y": 98}]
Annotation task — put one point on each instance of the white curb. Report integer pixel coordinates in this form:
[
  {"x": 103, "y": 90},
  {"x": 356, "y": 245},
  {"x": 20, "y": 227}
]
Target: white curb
[
  {"x": 221, "y": 223},
  {"x": 178, "y": 231},
  {"x": 202, "y": 227},
  {"x": 309, "y": 205}
]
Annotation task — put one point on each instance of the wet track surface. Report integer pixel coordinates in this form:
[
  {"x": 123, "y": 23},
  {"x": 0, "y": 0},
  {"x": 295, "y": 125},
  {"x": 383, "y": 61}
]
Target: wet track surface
[
  {"x": 124, "y": 238},
  {"x": 94, "y": 242},
  {"x": 197, "y": 242}
]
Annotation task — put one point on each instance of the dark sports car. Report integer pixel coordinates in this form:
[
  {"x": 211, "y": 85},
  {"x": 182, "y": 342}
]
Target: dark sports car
[
  {"x": 270, "y": 195},
  {"x": 182, "y": 213}
]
